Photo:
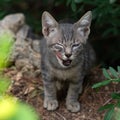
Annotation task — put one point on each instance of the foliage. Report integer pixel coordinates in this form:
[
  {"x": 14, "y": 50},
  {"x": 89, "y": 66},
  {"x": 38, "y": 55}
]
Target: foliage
[
  {"x": 105, "y": 13},
  {"x": 113, "y": 109},
  {"x": 105, "y": 31},
  {"x": 112, "y": 76},
  {"x": 4, "y": 85},
  {"x": 6, "y": 43},
  {"x": 10, "y": 108},
  {"x": 117, "y": 114},
  {"x": 25, "y": 112}
]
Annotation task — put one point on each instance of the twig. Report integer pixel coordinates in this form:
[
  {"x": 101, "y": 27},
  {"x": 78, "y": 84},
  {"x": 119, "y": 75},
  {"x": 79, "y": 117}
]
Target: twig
[
  {"x": 107, "y": 101},
  {"x": 61, "y": 115},
  {"x": 110, "y": 99}
]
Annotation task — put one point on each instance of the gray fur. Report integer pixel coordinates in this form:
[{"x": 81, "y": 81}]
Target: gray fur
[{"x": 75, "y": 60}]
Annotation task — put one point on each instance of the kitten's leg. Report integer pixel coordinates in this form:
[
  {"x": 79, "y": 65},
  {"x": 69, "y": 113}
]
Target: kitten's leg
[
  {"x": 74, "y": 90},
  {"x": 50, "y": 100}
]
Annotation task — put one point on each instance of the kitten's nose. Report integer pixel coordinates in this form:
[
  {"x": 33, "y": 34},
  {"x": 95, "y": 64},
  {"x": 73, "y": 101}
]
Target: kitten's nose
[{"x": 68, "y": 55}]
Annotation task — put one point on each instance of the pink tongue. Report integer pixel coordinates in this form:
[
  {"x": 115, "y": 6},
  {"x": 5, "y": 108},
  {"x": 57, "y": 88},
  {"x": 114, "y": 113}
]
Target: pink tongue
[
  {"x": 59, "y": 55},
  {"x": 67, "y": 62}
]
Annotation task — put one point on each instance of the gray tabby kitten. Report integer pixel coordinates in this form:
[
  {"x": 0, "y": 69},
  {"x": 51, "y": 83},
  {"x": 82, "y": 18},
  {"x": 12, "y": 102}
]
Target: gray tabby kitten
[{"x": 66, "y": 57}]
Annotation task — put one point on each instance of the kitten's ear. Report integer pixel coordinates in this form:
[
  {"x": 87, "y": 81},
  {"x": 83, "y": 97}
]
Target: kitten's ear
[
  {"x": 83, "y": 25},
  {"x": 49, "y": 24}
]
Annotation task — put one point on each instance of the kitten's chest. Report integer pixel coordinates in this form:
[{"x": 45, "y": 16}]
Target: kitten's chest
[{"x": 69, "y": 74}]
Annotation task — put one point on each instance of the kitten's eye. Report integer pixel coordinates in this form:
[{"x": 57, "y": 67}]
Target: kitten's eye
[
  {"x": 58, "y": 47},
  {"x": 76, "y": 46},
  {"x": 51, "y": 29}
]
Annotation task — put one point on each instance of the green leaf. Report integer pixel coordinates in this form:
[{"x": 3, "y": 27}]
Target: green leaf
[
  {"x": 78, "y": 1},
  {"x": 2, "y": 13},
  {"x": 115, "y": 95},
  {"x": 107, "y": 32},
  {"x": 100, "y": 84},
  {"x": 106, "y": 73},
  {"x": 116, "y": 115},
  {"x": 6, "y": 43},
  {"x": 73, "y": 6},
  {"x": 115, "y": 80},
  {"x": 118, "y": 69},
  {"x": 112, "y": 1},
  {"x": 57, "y": 3},
  {"x": 4, "y": 84},
  {"x": 26, "y": 112},
  {"x": 68, "y": 2},
  {"x": 113, "y": 72},
  {"x": 118, "y": 103},
  {"x": 108, "y": 106},
  {"x": 109, "y": 114}
]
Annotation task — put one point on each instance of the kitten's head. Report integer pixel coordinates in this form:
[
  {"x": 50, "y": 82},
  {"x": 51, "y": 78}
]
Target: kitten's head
[{"x": 66, "y": 41}]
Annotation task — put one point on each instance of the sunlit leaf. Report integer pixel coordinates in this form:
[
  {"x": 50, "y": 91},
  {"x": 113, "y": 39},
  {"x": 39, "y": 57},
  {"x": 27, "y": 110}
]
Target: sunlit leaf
[
  {"x": 6, "y": 42},
  {"x": 8, "y": 107},
  {"x": 4, "y": 84},
  {"x": 25, "y": 112},
  {"x": 12, "y": 109}
]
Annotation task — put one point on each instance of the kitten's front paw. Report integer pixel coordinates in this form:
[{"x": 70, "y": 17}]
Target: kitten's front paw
[
  {"x": 50, "y": 104},
  {"x": 73, "y": 106}
]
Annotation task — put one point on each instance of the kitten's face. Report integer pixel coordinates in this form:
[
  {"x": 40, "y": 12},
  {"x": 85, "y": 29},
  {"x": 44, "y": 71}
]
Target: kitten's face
[
  {"x": 65, "y": 45},
  {"x": 66, "y": 40},
  {"x": 66, "y": 54}
]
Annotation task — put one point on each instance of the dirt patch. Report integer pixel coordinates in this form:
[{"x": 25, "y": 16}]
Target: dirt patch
[{"x": 30, "y": 90}]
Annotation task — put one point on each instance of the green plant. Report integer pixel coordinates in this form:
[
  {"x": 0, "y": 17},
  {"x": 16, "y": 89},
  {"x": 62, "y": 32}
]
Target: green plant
[
  {"x": 113, "y": 109},
  {"x": 105, "y": 26},
  {"x": 105, "y": 13},
  {"x": 6, "y": 43},
  {"x": 4, "y": 85},
  {"x": 10, "y": 107}
]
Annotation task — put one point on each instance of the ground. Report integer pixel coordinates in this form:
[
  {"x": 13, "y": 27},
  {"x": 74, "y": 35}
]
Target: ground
[{"x": 30, "y": 90}]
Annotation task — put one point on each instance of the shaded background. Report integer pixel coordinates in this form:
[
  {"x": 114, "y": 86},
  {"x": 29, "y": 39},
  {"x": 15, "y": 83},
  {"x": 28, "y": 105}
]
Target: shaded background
[{"x": 105, "y": 29}]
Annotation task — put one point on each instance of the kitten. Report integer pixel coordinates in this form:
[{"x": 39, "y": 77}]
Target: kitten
[{"x": 66, "y": 56}]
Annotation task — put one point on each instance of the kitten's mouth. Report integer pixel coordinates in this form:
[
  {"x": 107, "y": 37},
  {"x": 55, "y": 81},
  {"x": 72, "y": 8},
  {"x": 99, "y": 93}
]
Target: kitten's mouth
[{"x": 66, "y": 62}]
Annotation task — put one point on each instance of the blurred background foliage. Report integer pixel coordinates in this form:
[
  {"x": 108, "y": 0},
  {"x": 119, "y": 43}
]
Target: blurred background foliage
[{"x": 105, "y": 30}]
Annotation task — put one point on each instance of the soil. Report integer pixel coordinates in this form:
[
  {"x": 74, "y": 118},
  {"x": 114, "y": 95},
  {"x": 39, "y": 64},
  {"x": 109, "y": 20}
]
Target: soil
[{"x": 30, "y": 90}]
